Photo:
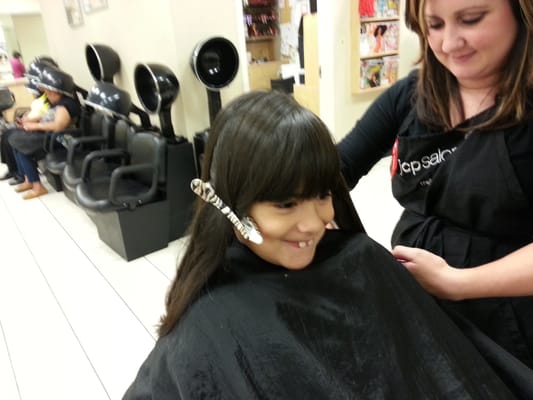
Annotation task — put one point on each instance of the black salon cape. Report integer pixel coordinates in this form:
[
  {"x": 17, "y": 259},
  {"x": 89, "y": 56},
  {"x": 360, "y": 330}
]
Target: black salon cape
[{"x": 352, "y": 325}]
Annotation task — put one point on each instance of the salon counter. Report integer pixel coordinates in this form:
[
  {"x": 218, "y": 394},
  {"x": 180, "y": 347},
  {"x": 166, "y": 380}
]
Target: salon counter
[{"x": 23, "y": 97}]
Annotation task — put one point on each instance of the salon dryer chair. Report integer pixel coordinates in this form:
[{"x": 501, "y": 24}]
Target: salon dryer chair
[
  {"x": 108, "y": 129},
  {"x": 157, "y": 87},
  {"x": 128, "y": 204}
]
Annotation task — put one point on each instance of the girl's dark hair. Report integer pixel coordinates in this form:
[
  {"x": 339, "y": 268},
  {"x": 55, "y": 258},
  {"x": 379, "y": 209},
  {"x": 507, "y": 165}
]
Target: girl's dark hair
[
  {"x": 263, "y": 146},
  {"x": 438, "y": 88}
]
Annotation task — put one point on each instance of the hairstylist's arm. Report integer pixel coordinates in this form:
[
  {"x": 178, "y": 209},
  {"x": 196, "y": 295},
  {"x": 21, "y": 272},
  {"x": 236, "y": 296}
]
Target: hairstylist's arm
[
  {"x": 60, "y": 122},
  {"x": 374, "y": 134},
  {"x": 510, "y": 276}
]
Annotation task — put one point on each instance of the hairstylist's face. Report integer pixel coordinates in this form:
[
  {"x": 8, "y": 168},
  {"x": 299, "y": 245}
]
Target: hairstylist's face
[
  {"x": 291, "y": 230},
  {"x": 471, "y": 38}
]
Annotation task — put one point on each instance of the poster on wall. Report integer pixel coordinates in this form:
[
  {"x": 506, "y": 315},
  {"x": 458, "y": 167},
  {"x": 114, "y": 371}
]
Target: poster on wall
[
  {"x": 90, "y": 6},
  {"x": 73, "y": 11}
]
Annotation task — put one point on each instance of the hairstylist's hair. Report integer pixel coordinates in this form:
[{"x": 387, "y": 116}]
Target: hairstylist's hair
[
  {"x": 437, "y": 87},
  {"x": 263, "y": 146}
]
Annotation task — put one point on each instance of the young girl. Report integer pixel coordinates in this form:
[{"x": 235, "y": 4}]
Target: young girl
[{"x": 268, "y": 303}]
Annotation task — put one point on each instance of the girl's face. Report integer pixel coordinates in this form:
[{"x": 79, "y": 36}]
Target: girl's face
[
  {"x": 291, "y": 230},
  {"x": 471, "y": 38}
]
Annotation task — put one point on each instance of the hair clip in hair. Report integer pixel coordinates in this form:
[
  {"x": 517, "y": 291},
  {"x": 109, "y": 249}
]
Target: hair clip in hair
[{"x": 246, "y": 227}]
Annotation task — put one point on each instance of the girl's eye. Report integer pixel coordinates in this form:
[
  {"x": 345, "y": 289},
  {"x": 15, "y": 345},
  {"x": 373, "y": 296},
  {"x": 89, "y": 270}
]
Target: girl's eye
[{"x": 286, "y": 204}]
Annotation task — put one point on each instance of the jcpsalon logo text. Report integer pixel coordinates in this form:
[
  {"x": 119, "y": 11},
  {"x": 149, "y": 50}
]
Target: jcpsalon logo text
[{"x": 416, "y": 166}]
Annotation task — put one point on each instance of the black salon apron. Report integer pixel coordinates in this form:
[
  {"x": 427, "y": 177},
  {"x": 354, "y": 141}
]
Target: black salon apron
[{"x": 463, "y": 202}]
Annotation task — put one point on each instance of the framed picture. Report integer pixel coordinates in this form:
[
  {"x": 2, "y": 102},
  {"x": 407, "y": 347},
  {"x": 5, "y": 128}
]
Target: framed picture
[
  {"x": 90, "y": 6},
  {"x": 73, "y": 11}
]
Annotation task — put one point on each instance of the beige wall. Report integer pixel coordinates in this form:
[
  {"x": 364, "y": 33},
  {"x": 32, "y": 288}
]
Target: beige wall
[
  {"x": 31, "y": 38},
  {"x": 145, "y": 31},
  {"x": 9, "y": 33},
  {"x": 167, "y": 31}
]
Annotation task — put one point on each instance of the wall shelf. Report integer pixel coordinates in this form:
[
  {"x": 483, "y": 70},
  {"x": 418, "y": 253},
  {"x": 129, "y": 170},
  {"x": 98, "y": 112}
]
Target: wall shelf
[
  {"x": 261, "y": 26},
  {"x": 260, "y": 39},
  {"x": 375, "y": 42}
]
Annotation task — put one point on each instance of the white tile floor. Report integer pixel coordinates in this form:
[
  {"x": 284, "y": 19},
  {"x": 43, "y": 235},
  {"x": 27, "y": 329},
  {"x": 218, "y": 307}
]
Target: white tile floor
[{"x": 76, "y": 320}]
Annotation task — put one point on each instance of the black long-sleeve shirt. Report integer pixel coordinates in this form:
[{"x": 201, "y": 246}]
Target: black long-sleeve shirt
[{"x": 374, "y": 134}]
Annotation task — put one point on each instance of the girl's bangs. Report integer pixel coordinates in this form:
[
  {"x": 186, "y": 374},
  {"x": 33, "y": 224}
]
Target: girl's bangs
[{"x": 306, "y": 167}]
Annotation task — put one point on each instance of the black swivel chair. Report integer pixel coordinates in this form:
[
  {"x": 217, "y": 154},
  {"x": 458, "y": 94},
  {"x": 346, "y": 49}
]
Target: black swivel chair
[{"x": 127, "y": 205}]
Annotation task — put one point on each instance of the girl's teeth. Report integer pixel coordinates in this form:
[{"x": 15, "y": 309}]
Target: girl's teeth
[{"x": 305, "y": 244}]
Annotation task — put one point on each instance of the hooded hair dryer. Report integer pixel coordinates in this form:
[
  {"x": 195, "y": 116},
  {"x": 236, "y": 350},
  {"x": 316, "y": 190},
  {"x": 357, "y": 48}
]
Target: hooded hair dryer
[{"x": 215, "y": 63}]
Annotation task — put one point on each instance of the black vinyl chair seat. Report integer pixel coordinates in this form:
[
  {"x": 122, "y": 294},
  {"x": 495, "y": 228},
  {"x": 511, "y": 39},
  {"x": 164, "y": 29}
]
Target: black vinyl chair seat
[
  {"x": 137, "y": 181},
  {"x": 100, "y": 196}
]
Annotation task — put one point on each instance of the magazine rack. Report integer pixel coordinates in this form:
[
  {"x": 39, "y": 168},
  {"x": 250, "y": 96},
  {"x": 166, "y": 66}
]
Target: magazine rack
[{"x": 375, "y": 44}]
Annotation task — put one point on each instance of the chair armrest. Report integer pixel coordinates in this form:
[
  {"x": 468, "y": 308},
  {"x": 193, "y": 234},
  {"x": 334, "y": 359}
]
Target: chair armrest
[
  {"x": 98, "y": 154},
  {"x": 52, "y": 137},
  {"x": 132, "y": 201},
  {"x": 75, "y": 144}
]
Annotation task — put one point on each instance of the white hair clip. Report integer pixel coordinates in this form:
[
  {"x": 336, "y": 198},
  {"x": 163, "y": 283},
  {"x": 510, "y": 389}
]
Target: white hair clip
[{"x": 246, "y": 226}]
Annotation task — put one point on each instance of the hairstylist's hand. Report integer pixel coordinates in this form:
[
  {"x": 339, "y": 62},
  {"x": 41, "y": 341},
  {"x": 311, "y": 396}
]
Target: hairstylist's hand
[{"x": 431, "y": 271}]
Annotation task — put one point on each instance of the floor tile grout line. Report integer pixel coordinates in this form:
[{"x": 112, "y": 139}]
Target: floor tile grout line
[
  {"x": 56, "y": 299},
  {"x": 1, "y": 326},
  {"x": 157, "y": 268},
  {"x": 100, "y": 272},
  {"x": 10, "y": 361}
]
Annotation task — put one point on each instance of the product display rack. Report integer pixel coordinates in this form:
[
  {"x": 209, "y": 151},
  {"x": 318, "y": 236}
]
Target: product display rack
[
  {"x": 261, "y": 27},
  {"x": 375, "y": 44}
]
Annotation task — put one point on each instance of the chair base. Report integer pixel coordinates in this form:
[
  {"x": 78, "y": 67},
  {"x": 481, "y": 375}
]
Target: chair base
[
  {"x": 180, "y": 172},
  {"x": 70, "y": 193},
  {"x": 54, "y": 181},
  {"x": 134, "y": 233}
]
